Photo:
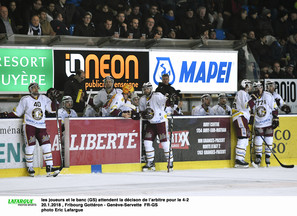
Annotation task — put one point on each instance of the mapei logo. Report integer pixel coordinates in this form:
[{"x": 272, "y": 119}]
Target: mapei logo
[
  {"x": 116, "y": 66},
  {"x": 164, "y": 66}
]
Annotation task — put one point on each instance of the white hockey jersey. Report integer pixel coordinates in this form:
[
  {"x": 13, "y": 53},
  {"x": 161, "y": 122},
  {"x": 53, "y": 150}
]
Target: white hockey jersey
[
  {"x": 103, "y": 97},
  {"x": 240, "y": 105},
  {"x": 91, "y": 112},
  {"x": 263, "y": 110},
  {"x": 117, "y": 102},
  {"x": 276, "y": 96},
  {"x": 200, "y": 111},
  {"x": 34, "y": 110},
  {"x": 62, "y": 113},
  {"x": 220, "y": 110},
  {"x": 172, "y": 110},
  {"x": 157, "y": 102}
]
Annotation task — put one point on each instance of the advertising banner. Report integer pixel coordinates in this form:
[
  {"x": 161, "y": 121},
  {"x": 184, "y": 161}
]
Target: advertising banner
[
  {"x": 287, "y": 89},
  {"x": 198, "y": 139},
  {"x": 104, "y": 141},
  {"x": 12, "y": 145},
  {"x": 195, "y": 71},
  {"x": 20, "y": 67},
  {"x": 124, "y": 67}
]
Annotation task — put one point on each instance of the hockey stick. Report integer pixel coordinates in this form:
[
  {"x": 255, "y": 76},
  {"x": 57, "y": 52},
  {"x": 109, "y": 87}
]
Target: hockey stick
[
  {"x": 170, "y": 141},
  {"x": 59, "y": 135},
  {"x": 282, "y": 165}
]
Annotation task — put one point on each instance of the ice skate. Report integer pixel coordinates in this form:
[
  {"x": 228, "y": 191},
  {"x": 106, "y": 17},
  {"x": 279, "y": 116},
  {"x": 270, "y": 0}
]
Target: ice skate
[
  {"x": 150, "y": 166},
  {"x": 31, "y": 171},
  {"x": 257, "y": 161},
  {"x": 241, "y": 164},
  {"x": 52, "y": 171},
  {"x": 267, "y": 160}
]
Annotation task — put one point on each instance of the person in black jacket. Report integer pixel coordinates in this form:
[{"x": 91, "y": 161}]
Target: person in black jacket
[
  {"x": 74, "y": 87},
  {"x": 86, "y": 28}
]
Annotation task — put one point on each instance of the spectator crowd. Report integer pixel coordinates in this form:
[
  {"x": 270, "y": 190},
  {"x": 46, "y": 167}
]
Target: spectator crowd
[{"x": 269, "y": 27}]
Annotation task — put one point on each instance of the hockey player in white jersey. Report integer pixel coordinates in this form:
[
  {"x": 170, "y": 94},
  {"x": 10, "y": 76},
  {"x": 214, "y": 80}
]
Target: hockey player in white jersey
[
  {"x": 120, "y": 104},
  {"x": 241, "y": 107},
  {"x": 204, "y": 108},
  {"x": 32, "y": 107},
  {"x": 105, "y": 94},
  {"x": 152, "y": 108},
  {"x": 266, "y": 120},
  {"x": 270, "y": 87},
  {"x": 222, "y": 108},
  {"x": 66, "y": 111}
]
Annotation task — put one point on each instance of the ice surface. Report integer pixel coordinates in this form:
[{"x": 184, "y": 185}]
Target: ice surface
[{"x": 273, "y": 181}]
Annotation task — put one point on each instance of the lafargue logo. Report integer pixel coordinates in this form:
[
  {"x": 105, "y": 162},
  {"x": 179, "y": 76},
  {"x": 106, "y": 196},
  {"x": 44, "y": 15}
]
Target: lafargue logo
[{"x": 163, "y": 66}]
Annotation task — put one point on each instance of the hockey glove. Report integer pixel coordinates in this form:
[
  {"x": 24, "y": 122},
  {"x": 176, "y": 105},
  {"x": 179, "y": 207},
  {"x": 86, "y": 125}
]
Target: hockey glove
[
  {"x": 285, "y": 108},
  {"x": 275, "y": 122},
  {"x": 4, "y": 115},
  {"x": 135, "y": 115},
  {"x": 148, "y": 114}
]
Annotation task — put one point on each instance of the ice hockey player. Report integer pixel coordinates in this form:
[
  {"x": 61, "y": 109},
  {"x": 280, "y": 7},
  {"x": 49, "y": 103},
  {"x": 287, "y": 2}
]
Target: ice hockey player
[
  {"x": 120, "y": 104},
  {"x": 66, "y": 111},
  {"x": 32, "y": 107},
  {"x": 152, "y": 108},
  {"x": 105, "y": 94},
  {"x": 270, "y": 87},
  {"x": 266, "y": 120},
  {"x": 241, "y": 116},
  {"x": 204, "y": 108},
  {"x": 222, "y": 108}
]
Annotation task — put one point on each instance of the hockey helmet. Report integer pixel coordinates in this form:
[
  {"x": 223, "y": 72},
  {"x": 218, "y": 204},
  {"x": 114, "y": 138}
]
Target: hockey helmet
[
  {"x": 108, "y": 78},
  {"x": 128, "y": 88},
  {"x": 222, "y": 96},
  {"x": 205, "y": 96},
  {"x": 32, "y": 85},
  {"x": 269, "y": 84},
  {"x": 147, "y": 85},
  {"x": 65, "y": 100},
  {"x": 258, "y": 85},
  {"x": 246, "y": 83}
]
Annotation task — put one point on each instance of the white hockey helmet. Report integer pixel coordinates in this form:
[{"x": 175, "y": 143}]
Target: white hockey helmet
[
  {"x": 258, "y": 85},
  {"x": 108, "y": 78},
  {"x": 65, "y": 100},
  {"x": 269, "y": 84},
  {"x": 147, "y": 85},
  {"x": 222, "y": 96},
  {"x": 246, "y": 83},
  {"x": 31, "y": 86},
  {"x": 205, "y": 96}
]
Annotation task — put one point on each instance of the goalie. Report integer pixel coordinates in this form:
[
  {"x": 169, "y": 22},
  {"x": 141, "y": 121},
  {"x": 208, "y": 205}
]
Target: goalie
[{"x": 152, "y": 108}]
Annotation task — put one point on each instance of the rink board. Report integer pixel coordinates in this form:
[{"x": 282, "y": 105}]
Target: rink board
[{"x": 12, "y": 148}]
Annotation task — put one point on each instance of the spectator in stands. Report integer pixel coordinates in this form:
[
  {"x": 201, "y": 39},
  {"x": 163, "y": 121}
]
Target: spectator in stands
[
  {"x": 205, "y": 108},
  {"x": 274, "y": 52},
  {"x": 241, "y": 24},
  {"x": 127, "y": 12},
  {"x": 51, "y": 11},
  {"x": 289, "y": 72},
  {"x": 155, "y": 14},
  {"x": 74, "y": 87},
  {"x": 135, "y": 14},
  {"x": 33, "y": 10},
  {"x": 281, "y": 25},
  {"x": 292, "y": 47},
  {"x": 134, "y": 30},
  {"x": 86, "y": 28},
  {"x": 277, "y": 72},
  {"x": 215, "y": 12},
  {"x": 102, "y": 14},
  {"x": 58, "y": 25},
  {"x": 45, "y": 25},
  {"x": 34, "y": 26},
  {"x": 202, "y": 21},
  {"x": 120, "y": 26},
  {"x": 170, "y": 21},
  {"x": 105, "y": 29},
  {"x": 264, "y": 25},
  {"x": 149, "y": 29},
  {"x": 171, "y": 34},
  {"x": 292, "y": 22},
  {"x": 212, "y": 34},
  {"x": 7, "y": 24},
  {"x": 159, "y": 33},
  {"x": 15, "y": 14},
  {"x": 188, "y": 25},
  {"x": 253, "y": 19},
  {"x": 67, "y": 11}
]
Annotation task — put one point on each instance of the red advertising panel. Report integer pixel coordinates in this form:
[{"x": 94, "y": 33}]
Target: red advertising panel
[
  {"x": 104, "y": 141},
  {"x": 52, "y": 130}
]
